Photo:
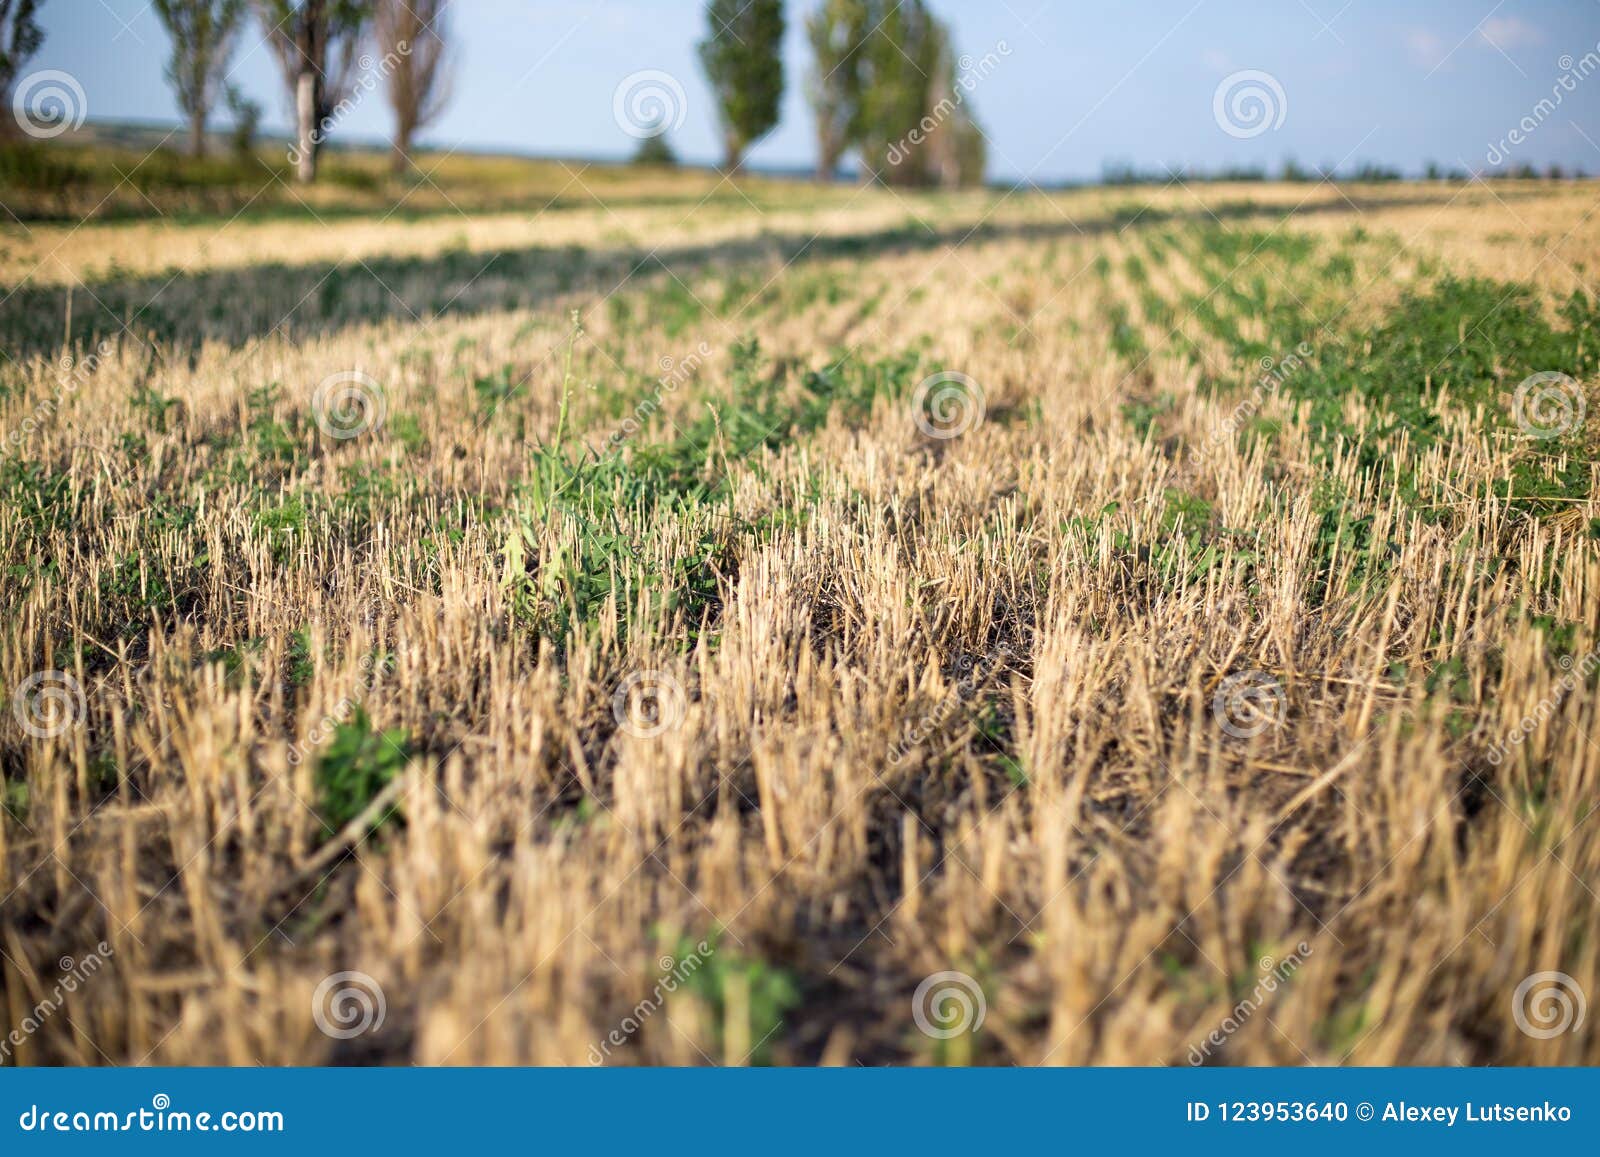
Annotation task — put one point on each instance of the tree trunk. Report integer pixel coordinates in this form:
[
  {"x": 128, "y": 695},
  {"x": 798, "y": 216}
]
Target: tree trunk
[
  {"x": 400, "y": 156},
  {"x": 306, "y": 114},
  {"x": 827, "y": 161},
  {"x": 732, "y": 155},
  {"x": 197, "y": 133}
]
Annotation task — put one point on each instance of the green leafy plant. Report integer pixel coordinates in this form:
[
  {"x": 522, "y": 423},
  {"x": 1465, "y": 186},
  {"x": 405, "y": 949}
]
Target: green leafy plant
[
  {"x": 355, "y": 766},
  {"x": 769, "y": 993}
]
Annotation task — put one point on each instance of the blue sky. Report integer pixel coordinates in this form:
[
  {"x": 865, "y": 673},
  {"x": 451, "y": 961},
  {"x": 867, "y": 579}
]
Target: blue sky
[{"x": 1391, "y": 81}]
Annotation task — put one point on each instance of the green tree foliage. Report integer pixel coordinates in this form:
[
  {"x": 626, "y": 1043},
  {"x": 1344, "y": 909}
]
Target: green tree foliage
[
  {"x": 835, "y": 32},
  {"x": 972, "y": 152},
  {"x": 20, "y": 38},
  {"x": 203, "y": 33},
  {"x": 246, "y": 121},
  {"x": 885, "y": 81},
  {"x": 742, "y": 55},
  {"x": 898, "y": 59},
  {"x": 957, "y": 150},
  {"x": 655, "y": 150}
]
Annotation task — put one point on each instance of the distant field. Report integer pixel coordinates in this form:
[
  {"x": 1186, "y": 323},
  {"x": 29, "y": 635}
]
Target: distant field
[
  {"x": 634, "y": 617},
  {"x": 123, "y": 173}
]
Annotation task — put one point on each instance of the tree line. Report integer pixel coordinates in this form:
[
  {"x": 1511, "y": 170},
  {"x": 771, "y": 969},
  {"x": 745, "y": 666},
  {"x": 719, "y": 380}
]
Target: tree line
[
  {"x": 883, "y": 80},
  {"x": 319, "y": 47},
  {"x": 325, "y": 50},
  {"x": 884, "y": 83}
]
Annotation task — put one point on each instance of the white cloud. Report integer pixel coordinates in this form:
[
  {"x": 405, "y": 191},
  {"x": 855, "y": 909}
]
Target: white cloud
[
  {"x": 1427, "y": 49},
  {"x": 1507, "y": 32}
]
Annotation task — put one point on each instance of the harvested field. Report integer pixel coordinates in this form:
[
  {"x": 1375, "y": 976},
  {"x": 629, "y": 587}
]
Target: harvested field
[{"x": 761, "y": 626}]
